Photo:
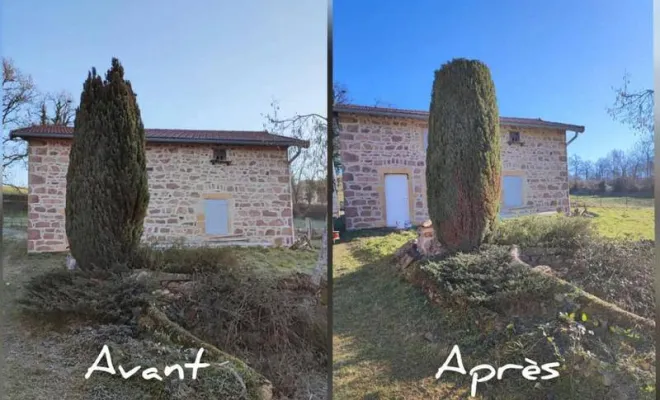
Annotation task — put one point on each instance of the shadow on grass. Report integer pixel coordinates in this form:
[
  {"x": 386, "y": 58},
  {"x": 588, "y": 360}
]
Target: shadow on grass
[
  {"x": 389, "y": 322},
  {"x": 389, "y": 341}
]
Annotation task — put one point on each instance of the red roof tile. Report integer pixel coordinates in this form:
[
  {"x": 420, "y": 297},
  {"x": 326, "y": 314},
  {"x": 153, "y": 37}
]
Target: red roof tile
[
  {"x": 255, "y": 138},
  {"x": 419, "y": 114}
]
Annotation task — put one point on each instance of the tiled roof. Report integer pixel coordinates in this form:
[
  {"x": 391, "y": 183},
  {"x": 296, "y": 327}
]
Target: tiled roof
[
  {"x": 244, "y": 138},
  {"x": 419, "y": 114}
]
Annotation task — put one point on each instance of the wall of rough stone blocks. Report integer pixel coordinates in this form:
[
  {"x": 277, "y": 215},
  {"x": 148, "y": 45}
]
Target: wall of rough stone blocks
[
  {"x": 372, "y": 146},
  {"x": 180, "y": 176}
]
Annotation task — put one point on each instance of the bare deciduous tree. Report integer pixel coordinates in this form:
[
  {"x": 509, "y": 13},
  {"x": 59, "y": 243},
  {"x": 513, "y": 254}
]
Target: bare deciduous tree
[
  {"x": 587, "y": 169},
  {"x": 19, "y": 95},
  {"x": 64, "y": 111},
  {"x": 340, "y": 95},
  {"x": 575, "y": 165},
  {"x": 305, "y": 164},
  {"x": 311, "y": 164},
  {"x": 644, "y": 149},
  {"x": 633, "y": 107},
  {"x": 24, "y": 105},
  {"x": 310, "y": 191},
  {"x": 630, "y": 171}
]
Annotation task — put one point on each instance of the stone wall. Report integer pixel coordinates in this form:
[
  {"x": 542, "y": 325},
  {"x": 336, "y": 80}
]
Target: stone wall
[
  {"x": 257, "y": 185},
  {"x": 373, "y": 146}
]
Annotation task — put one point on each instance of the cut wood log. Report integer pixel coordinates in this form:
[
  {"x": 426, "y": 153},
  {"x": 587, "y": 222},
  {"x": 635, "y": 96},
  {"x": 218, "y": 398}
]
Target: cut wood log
[
  {"x": 320, "y": 273},
  {"x": 70, "y": 263},
  {"x": 155, "y": 321}
]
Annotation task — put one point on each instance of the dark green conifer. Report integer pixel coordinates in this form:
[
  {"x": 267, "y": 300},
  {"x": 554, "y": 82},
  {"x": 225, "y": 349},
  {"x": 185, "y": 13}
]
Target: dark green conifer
[
  {"x": 463, "y": 167},
  {"x": 106, "y": 193}
]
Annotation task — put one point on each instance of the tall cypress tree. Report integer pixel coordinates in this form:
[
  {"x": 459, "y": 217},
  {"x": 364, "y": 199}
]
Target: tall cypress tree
[
  {"x": 106, "y": 192},
  {"x": 463, "y": 167}
]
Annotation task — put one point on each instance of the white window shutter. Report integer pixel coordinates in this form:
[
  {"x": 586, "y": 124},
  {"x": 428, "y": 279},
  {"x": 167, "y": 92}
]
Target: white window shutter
[
  {"x": 216, "y": 214},
  {"x": 512, "y": 191}
]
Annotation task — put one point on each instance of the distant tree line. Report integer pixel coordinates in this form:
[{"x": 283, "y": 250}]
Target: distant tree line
[
  {"x": 310, "y": 198},
  {"x": 622, "y": 172},
  {"x": 618, "y": 172}
]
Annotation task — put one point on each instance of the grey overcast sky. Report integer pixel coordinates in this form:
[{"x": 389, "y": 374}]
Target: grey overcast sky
[{"x": 200, "y": 64}]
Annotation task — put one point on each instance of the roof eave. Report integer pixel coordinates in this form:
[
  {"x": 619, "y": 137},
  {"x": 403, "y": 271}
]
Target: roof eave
[
  {"x": 563, "y": 127},
  {"x": 424, "y": 117},
  {"x": 381, "y": 113},
  {"x": 297, "y": 143}
]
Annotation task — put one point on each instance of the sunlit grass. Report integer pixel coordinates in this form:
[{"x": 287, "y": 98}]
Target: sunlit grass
[
  {"x": 621, "y": 222},
  {"x": 7, "y": 189},
  {"x": 620, "y": 217}
]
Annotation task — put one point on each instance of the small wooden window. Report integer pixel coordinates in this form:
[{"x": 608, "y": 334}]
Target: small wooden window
[
  {"x": 514, "y": 137},
  {"x": 220, "y": 156}
]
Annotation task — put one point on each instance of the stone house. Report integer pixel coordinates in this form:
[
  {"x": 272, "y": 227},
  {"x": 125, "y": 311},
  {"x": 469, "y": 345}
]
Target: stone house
[
  {"x": 206, "y": 187},
  {"x": 383, "y": 152}
]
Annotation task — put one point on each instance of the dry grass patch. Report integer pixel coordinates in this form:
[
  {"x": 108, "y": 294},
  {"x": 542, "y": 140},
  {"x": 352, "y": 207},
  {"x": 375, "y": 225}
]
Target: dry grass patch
[
  {"x": 236, "y": 301},
  {"x": 618, "y": 270}
]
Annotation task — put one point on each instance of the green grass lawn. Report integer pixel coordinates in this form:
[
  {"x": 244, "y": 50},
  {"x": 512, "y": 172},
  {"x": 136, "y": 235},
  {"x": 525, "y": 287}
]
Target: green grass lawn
[
  {"x": 278, "y": 259},
  {"x": 379, "y": 325},
  {"x": 6, "y": 189},
  {"x": 620, "y": 216},
  {"x": 612, "y": 201}
]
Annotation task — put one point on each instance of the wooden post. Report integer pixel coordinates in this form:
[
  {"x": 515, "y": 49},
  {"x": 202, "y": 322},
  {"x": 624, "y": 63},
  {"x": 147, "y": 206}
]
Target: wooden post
[{"x": 310, "y": 231}]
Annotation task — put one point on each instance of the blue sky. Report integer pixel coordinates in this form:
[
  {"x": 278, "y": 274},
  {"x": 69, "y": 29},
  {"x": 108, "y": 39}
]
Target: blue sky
[
  {"x": 555, "y": 60},
  {"x": 200, "y": 64}
]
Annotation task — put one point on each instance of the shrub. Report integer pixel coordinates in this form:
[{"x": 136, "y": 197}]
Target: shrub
[
  {"x": 485, "y": 277},
  {"x": 621, "y": 185},
  {"x": 93, "y": 296},
  {"x": 617, "y": 271},
  {"x": 187, "y": 260},
  {"x": 106, "y": 193},
  {"x": 463, "y": 158},
  {"x": 540, "y": 231},
  {"x": 277, "y": 326}
]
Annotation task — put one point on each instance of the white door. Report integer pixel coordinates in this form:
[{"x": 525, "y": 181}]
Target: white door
[
  {"x": 397, "y": 206},
  {"x": 512, "y": 191}
]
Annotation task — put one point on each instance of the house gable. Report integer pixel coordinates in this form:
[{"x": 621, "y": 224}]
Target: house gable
[
  {"x": 370, "y": 145},
  {"x": 181, "y": 176}
]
